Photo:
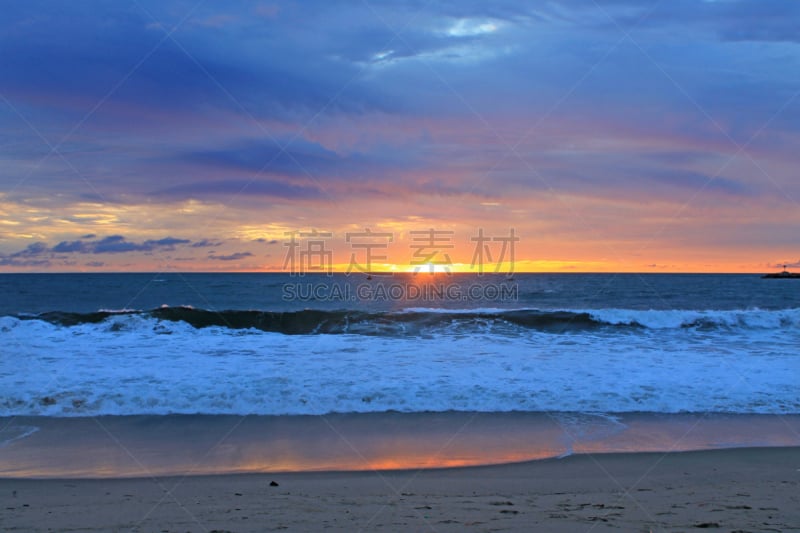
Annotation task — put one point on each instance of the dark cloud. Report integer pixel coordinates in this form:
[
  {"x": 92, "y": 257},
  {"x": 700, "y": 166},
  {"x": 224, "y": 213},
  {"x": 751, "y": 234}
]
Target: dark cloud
[
  {"x": 231, "y": 257},
  {"x": 9, "y": 261},
  {"x": 299, "y": 160},
  {"x": 109, "y": 40},
  {"x": 167, "y": 242},
  {"x": 302, "y": 160},
  {"x": 65, "y": 247},
  {"x": 205, "y": 243},
  {"x": 30, "y": 256},
  {"x": 32, "y": 250},
  {"x": 113, "y": 244},
  {"x": 116, "y": 244}
]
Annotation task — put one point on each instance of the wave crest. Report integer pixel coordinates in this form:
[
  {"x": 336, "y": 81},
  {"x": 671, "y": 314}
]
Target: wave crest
[{"x": 416, "y": 321}]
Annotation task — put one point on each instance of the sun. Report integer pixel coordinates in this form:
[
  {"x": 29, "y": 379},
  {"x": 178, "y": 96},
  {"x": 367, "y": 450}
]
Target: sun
[{"x": 431, "y": 268}]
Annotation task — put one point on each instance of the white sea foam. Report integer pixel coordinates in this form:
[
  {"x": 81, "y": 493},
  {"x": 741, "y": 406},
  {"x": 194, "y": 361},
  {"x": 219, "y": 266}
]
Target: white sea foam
[
  {"x": 652, "y": 318},
  {"x": 135, "y": 364},
  {"x": 660, "y": 319}
]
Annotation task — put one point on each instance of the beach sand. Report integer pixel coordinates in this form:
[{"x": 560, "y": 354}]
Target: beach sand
[{"x": 746, "y": 489}]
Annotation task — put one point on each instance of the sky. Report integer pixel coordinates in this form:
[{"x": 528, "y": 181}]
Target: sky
[{"x": 583, "y": 136}]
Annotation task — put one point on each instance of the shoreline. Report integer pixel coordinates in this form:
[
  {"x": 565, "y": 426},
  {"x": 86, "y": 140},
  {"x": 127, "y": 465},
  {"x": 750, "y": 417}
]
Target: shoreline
[
  {"x": 136, "y": 446},
  {"x": 417, "y": 471},
  {"x": 749, "y": 489}
]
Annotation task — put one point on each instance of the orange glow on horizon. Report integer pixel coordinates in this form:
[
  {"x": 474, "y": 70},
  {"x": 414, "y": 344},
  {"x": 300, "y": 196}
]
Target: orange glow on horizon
[{"x": 549, "y": 239}]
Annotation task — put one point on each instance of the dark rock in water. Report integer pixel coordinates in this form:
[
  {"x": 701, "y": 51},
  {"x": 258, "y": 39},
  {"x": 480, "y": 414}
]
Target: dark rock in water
[
  {"x": 48, "y": 400},
  {"x": 273, "y": 483}
]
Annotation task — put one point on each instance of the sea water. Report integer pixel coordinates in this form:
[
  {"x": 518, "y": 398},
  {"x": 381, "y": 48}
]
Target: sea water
[
  {"x": 127, "y": 344},
  {"x": 606, "y": 346}
]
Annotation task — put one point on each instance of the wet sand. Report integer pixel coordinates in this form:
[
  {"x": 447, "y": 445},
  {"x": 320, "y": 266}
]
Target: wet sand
[
  {"x": 144, "y": 446},
  {"x": 747, "y": 489}
]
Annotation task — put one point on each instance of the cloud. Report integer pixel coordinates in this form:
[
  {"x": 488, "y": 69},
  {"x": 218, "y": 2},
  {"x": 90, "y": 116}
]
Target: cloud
[
  {"x": 32, "y": 250},
  {"x": 384, "y": 125},
  {"x": 313, "y": 68},
  {"x": 107, "y": 44},
  {"x": 9, "y": 261},
  {"x": 117, "y": 244},
  {"x": 300, "y": 159},
  {"x": 65, "y": 247},
  {"x": 205, "y": 243},
  {"x": 28, "y": 257},
  {"x": 114, "y": 244},
  {"x": 232, "y": 257}
]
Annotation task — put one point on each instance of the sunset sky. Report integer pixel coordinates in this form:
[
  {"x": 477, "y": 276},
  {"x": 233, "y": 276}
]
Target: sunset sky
[{"x": 610, "y": 135}]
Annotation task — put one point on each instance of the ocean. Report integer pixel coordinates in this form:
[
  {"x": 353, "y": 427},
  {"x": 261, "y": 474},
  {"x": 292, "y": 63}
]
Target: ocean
[
  {"x": 564, "y": 347},
  {"x": 127, "y": 344}
]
